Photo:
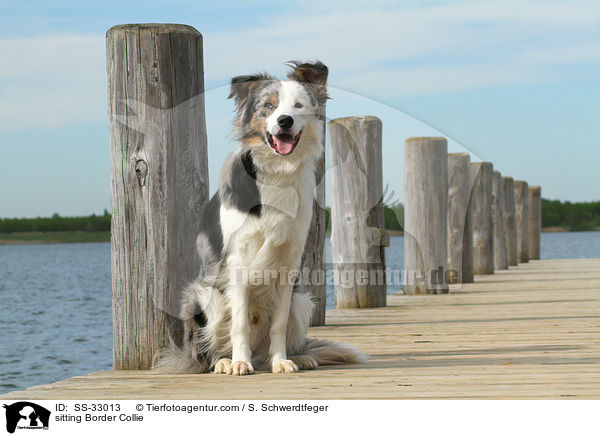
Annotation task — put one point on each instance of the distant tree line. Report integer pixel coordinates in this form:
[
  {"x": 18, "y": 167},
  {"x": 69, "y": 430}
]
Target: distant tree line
[
  {"x": 574, "y": 216},
  {"x": 393, "y": 217},
  {"x": 57, "y": 223}
]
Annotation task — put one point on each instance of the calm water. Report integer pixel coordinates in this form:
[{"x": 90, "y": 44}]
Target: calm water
[
  {"x": 55, "y": 312},
  {"x": 55, "y": 305}
]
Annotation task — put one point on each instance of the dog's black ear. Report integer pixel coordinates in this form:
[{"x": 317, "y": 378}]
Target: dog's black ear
[
  {"x": 310, "y": 73},
  {"x": 242, "y": 86}
]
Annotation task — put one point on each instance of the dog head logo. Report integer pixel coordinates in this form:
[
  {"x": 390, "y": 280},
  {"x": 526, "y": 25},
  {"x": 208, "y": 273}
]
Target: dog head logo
[{"x": 26, "y": 415}]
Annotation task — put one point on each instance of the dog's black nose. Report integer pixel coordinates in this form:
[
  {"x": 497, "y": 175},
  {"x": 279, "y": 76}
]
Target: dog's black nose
[{"x": 285, "y": 121}]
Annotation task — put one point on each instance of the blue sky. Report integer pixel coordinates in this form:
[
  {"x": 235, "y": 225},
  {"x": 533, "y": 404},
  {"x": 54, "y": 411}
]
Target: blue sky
[{"x": 514, "y": 83}]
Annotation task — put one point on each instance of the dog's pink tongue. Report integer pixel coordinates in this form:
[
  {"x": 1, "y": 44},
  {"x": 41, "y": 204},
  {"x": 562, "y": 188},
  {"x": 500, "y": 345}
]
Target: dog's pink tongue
[{"x": 284, "y": 146}]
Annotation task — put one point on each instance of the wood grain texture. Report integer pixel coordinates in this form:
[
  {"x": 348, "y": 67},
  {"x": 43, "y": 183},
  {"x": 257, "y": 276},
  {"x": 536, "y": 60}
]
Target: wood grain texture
[
  {"x": 500, "y": 254},
  {"x": 481, "y": 210},
  {"x": 313, "y": 257},
  {"x": 460, "y": 226},
  {"x": 530, "y": 332},
  {"x": 535, "y": 221},
  {"x": 357, "y": 211},
  {"x": 509, "y": 215},
  {"x": 522, "y": 220},
  {"x": 159, "y": 180},
  {"x": 426, "y": 215}
]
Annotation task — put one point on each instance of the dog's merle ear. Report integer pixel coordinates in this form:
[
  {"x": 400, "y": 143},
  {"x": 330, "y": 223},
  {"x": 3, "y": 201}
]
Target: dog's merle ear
[
  {"x": 314, "y": 75},
  {"x": 310, "y": 73},
  {"x": 242, "y": 86}
]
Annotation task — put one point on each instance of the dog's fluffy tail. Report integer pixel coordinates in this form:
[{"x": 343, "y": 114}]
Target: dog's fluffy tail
[
  {"x": 177, "y": 360},
  {"x": 333, "y": 353}
]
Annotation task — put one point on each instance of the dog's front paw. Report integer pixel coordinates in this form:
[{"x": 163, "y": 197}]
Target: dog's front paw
[
  {"x": 239, "y": 367},
  {"x": 222, "y": 366},
  {"x": 284, "y": 365}
]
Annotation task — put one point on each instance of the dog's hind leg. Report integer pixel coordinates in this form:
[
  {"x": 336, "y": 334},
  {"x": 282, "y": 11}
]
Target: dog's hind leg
[{"x": 311, "y": 353}]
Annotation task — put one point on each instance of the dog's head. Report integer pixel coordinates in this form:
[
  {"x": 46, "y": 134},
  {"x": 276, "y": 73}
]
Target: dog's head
[{"x": 282, "y": 118}]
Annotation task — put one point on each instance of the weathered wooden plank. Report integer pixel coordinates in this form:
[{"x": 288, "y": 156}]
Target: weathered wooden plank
[
  {"x": 522, "y": 220},
  {"x": 500, "y": 254},
  {"x": 426, "y": 215},
  {"x": 535, "y": 221},
  {"x": 159, "y": 180},
  {"x": 357, "y": 211},
  {"x": 460, "y": 226},
  {"x": 508, "y": 189},
  {"x": 481, "y": 210},
  {"x": 504, "y": 336}
]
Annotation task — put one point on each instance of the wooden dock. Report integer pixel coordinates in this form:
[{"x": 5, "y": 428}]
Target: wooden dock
[{"x": 532, "y": 331}]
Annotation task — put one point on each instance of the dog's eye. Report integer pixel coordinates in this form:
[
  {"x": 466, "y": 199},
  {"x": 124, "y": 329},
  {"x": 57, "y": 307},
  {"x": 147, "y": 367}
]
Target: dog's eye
[
  {"x": 268, "y": 105},
  {"x": 298, "y": 105}
]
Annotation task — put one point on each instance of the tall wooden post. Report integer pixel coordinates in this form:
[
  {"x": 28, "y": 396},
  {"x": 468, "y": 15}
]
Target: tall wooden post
[
  {"x": 522, "y": 220},
  {"x": 535, "y": 221},
  {"x": 483, "y": 226},
  {"x": 426, "y": 215},
  {"x": 460, "y": 226},
  {"x": 159, "y": 180},
  {"x": 314, "y": 251},
  {"x": 500, "y": 255},
  {"x": 357, "y": 235},
  {"x": 510, "y": 230}
]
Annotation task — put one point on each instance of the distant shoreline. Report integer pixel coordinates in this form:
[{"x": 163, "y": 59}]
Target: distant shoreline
[
  {"x": 53, "y": 237},
  {"x": 544, "y": 230},
  {"x": 566, "y": 229},
  {"x": 78, "y": 237}
]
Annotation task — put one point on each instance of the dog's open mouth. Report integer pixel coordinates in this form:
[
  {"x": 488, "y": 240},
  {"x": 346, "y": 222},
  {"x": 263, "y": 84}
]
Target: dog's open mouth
[{"x": 283, "y": 143}]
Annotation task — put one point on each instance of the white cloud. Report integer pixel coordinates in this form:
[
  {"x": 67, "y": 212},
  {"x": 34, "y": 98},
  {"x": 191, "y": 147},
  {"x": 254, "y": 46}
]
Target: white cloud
[
  {"x": 563, "y": 54},
  {"x": 352, "y": 40},
  {"x": 380, "y": 51},
  {"x": 432, "y": 80}
]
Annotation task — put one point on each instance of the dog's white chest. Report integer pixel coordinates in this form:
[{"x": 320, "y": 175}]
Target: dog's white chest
[
  {"x": 285, "y": 200},
  {"x": 287, "y": 209}
]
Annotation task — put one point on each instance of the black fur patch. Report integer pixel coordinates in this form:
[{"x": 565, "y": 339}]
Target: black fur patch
[
  {"x": 195, "y": 325},
  {"x": 240, "y": 190},
  {"x": 200, "y": 318},
  {"x": 211, "y": 225}
]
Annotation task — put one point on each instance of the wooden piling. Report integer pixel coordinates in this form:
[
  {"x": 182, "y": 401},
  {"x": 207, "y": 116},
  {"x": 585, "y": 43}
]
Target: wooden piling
[
  {"x": 313, "y": 258},
  {"x": 481, "y": 210},
  {"x": 522, "y": 220},
  {"x": 357, "y": 235},
  {"x": 460, "y": 227},
  {"x": 510, "y": 231},
  {"x": 500, "y": 254},
  {"x": 535, "y": 221},
  {"x": 425, "y": 216},
  {"x": 159, "y": 180}
]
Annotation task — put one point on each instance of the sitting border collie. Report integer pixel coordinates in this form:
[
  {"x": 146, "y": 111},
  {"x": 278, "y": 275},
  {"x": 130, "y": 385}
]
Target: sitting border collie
[{"x": 247, "y": 309}]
